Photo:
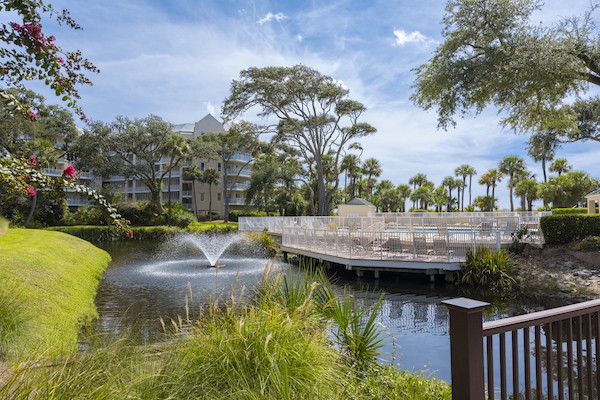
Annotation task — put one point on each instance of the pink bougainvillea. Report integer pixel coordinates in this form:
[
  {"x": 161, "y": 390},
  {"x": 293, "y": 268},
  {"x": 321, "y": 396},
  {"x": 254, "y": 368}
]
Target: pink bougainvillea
[
  {"x": 33, "y": 160},
  {"x": 30, "y": 191}
]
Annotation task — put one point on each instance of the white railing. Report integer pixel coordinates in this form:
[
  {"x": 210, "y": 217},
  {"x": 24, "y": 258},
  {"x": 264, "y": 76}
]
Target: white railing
[
  {"x": 415, "y": 235},
  {"x": 409, "y": 245}
]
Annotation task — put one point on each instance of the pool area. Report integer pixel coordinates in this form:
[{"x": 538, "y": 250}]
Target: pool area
[{"x": 434, "y": 243}]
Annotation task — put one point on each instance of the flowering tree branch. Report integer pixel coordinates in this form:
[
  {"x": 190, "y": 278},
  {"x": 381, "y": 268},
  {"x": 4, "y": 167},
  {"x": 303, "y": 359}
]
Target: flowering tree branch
[
  {"x": 29, "y": 54},
  {"x": 21, "y": 176}
]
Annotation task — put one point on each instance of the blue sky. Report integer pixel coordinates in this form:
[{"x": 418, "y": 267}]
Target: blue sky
[{"x": 177, "y": 58}]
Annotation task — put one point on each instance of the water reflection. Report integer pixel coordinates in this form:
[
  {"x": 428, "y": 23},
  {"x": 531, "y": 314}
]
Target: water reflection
[{"x": 143, "y": 285}]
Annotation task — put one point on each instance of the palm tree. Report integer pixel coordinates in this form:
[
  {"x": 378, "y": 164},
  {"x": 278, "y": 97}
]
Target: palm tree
[
  {"x": 459, "y": 185},
  {"x": 511, "y": 165},
  {"x": 371, "y": 168},
  {"x": 177, "y": 148},
  {"x": 351, "y": 166},
  {"x": 210, "y": 176},
  {"x": 403, "y": 193},
  {"x": 519, "y": 177},
  {"x": 527, "y": 189},
  {"x": 541, "y": 147},
  {"x": 417, "y": 181},
  {"x": 493, "y": 176},
  {"x": 193, "y": 173},
  {"x": 464, "y": 171},
  {"x": 560, "y": 166},
  {"x": 449, "y": 183}
]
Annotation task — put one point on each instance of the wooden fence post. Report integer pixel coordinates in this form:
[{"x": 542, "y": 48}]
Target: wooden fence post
[{"x": 466, "y": 348}]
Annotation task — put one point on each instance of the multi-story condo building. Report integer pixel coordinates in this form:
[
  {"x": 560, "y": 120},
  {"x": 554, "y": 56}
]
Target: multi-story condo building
[{"x": 194, "y": 195}]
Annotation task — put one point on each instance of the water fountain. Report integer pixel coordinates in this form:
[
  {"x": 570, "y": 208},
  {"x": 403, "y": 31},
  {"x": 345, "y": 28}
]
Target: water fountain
[{"x": 211, "y": 246}]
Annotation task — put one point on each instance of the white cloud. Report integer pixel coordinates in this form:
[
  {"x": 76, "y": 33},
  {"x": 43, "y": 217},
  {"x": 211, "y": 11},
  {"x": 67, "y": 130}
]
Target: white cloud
[
  {"x": 402, "y": 37},
  {"x": 270, "y": 16},
  {"x": 211, "y": 109},
  {"x": 299, "y": 37}
]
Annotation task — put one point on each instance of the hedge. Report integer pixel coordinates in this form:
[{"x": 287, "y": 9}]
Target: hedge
[
  {"x": 567, "y": 228},
  {"x": 235, "y": 214},
  {"x": 569, "y": 211},
  {"x": 101, "y": 234}
]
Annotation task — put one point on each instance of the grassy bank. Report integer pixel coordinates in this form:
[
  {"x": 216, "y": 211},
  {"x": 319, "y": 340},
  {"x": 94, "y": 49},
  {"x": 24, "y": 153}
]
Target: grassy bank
[{"x": 49, "y": 282}]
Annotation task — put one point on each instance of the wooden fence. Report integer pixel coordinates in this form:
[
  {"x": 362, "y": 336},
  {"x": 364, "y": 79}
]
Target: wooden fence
[{"x": 551, "y": 354}]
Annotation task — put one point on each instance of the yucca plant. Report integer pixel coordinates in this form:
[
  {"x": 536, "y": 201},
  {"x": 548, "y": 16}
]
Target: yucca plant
[{"x": 488, "y": 269}]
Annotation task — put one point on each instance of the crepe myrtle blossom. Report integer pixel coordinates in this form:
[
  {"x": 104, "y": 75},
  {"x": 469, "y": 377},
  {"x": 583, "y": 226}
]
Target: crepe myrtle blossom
[
  {"x": 19, "y": 176},
  {"x": 69, "y": 171}
]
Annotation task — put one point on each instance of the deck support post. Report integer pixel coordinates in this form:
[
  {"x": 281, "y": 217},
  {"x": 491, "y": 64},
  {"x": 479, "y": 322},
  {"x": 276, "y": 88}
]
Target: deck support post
[
  {"x": 359, "y": 273},
  {"x": 376, "y": 274},
  {"x": 466, "y": 348}
]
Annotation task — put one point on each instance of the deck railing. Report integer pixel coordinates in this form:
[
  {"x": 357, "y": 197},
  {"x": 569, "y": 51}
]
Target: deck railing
[
  {"x": 551, "y": 354},
  {"x": 443, "y": 246},
  {"x": 476, "y": 222}
]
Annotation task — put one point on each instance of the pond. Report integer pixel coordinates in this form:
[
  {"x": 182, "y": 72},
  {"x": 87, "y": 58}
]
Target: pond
[{"x": 146, "y": 282}]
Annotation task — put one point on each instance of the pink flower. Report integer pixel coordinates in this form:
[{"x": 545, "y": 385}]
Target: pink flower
[
  {"x": 32, "y": 116},
  {"x": 33, "y": 160},
  {"x": 84, "y": 118},
  {"x": 61, "y": 60},
  {"x": 3, "y": 71},
  {"x": 69, "y": 171},
  {"x": 131, "y": 233},
  {"x": 30, "y": 191}
]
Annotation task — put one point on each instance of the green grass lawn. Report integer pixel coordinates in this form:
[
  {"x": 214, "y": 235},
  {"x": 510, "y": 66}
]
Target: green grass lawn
[{"x": 49, "y": 281}]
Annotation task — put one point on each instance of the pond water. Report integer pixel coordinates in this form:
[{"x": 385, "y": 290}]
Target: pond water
[{"x": 146, "y": 282}]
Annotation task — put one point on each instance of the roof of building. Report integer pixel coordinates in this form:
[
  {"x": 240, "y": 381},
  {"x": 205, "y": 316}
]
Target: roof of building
[
  {"x": 594, "y": 193},
  {"x": 205, "y": 125},
  {"x": 359, "y": 202}
]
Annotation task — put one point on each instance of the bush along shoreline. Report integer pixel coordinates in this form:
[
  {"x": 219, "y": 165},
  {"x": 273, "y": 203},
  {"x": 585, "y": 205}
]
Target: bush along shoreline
[
  {"x": 296, "y": 338},
  {"x": 105, "y": 233}
]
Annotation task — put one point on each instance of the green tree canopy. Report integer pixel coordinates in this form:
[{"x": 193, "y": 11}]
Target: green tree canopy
[
  {"x": 133, "y": 148},
  {"x": 314, "y": 116},
  {"x": 493, "y": 54}
]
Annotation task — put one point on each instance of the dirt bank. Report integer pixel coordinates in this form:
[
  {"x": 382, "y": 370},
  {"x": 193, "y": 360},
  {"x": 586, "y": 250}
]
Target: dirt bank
[{"x": 562, "y": 269}]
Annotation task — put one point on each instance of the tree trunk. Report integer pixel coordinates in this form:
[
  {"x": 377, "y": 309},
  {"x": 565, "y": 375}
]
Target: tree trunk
[
  {"x": 510, "y": 189},
  {"x": 226, "y": 199},
  {"x": 210, "y": 202},
  {"x": 194, "y": 202},
  {"x": 169, "y": 214},
  {"x": 32, "y": 209},
  {"x": 470, "y": 191}
]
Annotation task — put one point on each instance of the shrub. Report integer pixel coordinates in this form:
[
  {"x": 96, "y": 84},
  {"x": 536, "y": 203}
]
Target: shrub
[
  {"x": 91, "y": 233},
  {"x": 212, "y": 227},
  {"x": 86, "y": 215},
  {"x": 387, "y": 382},
  {"x": 568, "y": 211},
  {"x": 589, "y": 243},
  {"x": 140, "y": 213},
  {"x": 488, "y": 269},
  {"x": 559, "y": 229},
  {"x": 180, "y": 216},
  {"x": 235, "y": 214}
]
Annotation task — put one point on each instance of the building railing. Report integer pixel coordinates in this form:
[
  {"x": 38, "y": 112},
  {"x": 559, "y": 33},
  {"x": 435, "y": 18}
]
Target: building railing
[{"x": 561, "y": 345}]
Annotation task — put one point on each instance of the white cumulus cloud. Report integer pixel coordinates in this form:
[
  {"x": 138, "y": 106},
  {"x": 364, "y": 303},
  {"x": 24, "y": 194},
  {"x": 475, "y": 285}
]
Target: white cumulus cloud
[
  {"x": 270, "y": 16},
  {"x": 402, "y": 37}
]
